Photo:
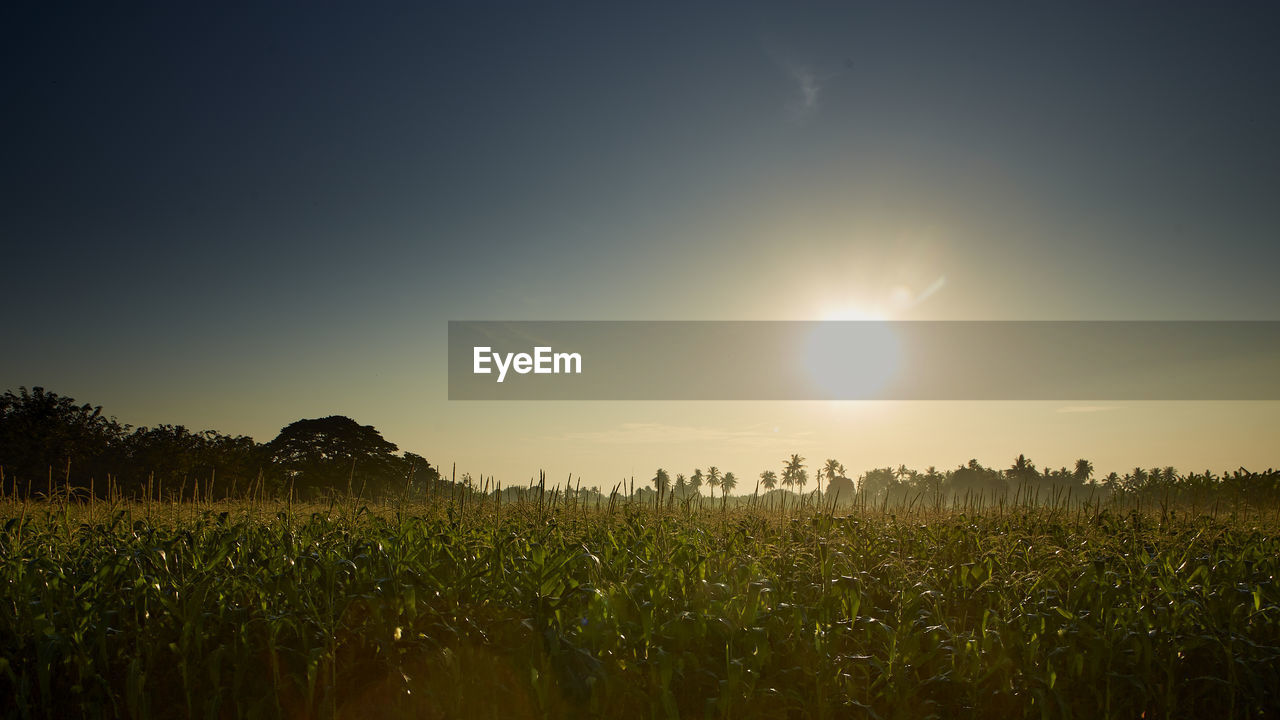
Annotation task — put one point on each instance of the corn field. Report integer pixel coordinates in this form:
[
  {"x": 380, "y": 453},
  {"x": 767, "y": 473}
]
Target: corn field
[{"x": 272, "y": 609}]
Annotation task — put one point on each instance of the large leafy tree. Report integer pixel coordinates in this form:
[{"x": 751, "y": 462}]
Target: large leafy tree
[
  {"x": 878, "y": 483},
  {"x": 173, "y": 455},
  {"x": 43, "y": 435},
  {"x": 841, "y": 489},
  {"x": 334, "y": 453}
]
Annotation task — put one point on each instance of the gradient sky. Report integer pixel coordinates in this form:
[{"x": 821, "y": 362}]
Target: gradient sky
[{"x": 233, "y": 219}]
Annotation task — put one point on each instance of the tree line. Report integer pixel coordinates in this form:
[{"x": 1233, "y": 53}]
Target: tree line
[
  {"x": 1022, "y": 480},
  {"x": 50, "y": 443}
]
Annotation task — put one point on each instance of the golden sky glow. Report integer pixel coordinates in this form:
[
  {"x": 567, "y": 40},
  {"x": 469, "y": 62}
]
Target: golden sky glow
[{"x": 237, "y": 222}]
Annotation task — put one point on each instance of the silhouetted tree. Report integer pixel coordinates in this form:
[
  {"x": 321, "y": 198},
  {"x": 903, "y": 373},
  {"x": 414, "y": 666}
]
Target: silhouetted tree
[
  {"x": 1023, "y": 472},
  {"x": 1084, "y": 471},
  {"x": 877, "y": 484},
  {"x": 177, "y": 458},
  {"x": 793, "y": 472},
  {"x": 1135, "y": 481},
  {"x": 416, "y": 471},
  {"x": 976, "y": 482},
  {"x": 841, "y": 489},
  {"x": 334, "y": 453},
  {"x": 930, "y": 482},
  {"x": 661, "y": 481},
  {"x": 695, "y": 481},
  {"x": 831, "y": 470},
  {"x": 42, "y": 434}
]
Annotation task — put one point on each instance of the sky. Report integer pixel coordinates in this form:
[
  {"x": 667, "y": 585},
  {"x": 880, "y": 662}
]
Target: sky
[{"x": 233, "y": 218}]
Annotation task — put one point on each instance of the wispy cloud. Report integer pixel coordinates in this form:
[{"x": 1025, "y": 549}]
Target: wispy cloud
[
  {"x": 809, "y": 93},
  {"x": 1086, "y": 408},
  {"x": 807, "y": 81},
  {"x": 663, "y": 434}
]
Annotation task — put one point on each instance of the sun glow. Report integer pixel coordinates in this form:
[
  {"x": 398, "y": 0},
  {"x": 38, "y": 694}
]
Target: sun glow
[{"x": 851, "y": 354}]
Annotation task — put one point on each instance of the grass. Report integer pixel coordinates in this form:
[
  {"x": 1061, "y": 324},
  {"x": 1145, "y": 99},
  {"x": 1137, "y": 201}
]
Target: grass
[{"x": 534, "y": 611}]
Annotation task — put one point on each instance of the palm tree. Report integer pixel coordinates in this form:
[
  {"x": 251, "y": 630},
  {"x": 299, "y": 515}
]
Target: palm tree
[
  {"x": 713, "y": 479},
  {"x": 1021, "y": 464},
  {"x": 695, "y": 481},
  {"x": 1023, "y": 470},
  {"x": 793, "y": 472},
  {"x": 1137, "y": 480},
  {"x": 680, "y": 484},
  {"x": 1084, "y": 471},
  {"x": 728, "y": 483},
  {"x": 769, "y": 479},
  {"x": 931, "y": 481},
  {"x": 661, "y": 480},
  {"x": 831, "y": 470}
]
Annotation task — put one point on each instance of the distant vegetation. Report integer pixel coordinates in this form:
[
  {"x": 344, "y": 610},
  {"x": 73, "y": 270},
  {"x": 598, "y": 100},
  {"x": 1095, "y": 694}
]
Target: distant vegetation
[{"x": 49, "y": 444}]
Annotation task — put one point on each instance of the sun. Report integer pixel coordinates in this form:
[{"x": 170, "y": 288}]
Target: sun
[{"x": 851, "y": 354}]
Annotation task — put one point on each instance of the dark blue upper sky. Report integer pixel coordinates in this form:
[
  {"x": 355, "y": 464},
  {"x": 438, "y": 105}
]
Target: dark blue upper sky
[{"x": 236, "y": 191}]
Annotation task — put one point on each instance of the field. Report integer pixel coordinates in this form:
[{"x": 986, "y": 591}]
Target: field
[{"x": 533, "y": 610}]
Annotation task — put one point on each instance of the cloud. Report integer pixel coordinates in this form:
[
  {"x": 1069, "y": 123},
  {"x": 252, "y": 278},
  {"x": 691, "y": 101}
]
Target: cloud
[
  {"x": 663, "y": 434},
  {"x": 807, "y": 81},
  {"x": 1086, "y": 408},
  {"x": 809, "y": 89}
]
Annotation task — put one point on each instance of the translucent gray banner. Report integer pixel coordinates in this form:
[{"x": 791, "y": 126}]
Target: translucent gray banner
[{"x": 864, "y": 360}]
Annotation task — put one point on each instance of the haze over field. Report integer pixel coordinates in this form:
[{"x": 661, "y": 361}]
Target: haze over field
[{"x": 233, "y": 220}]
